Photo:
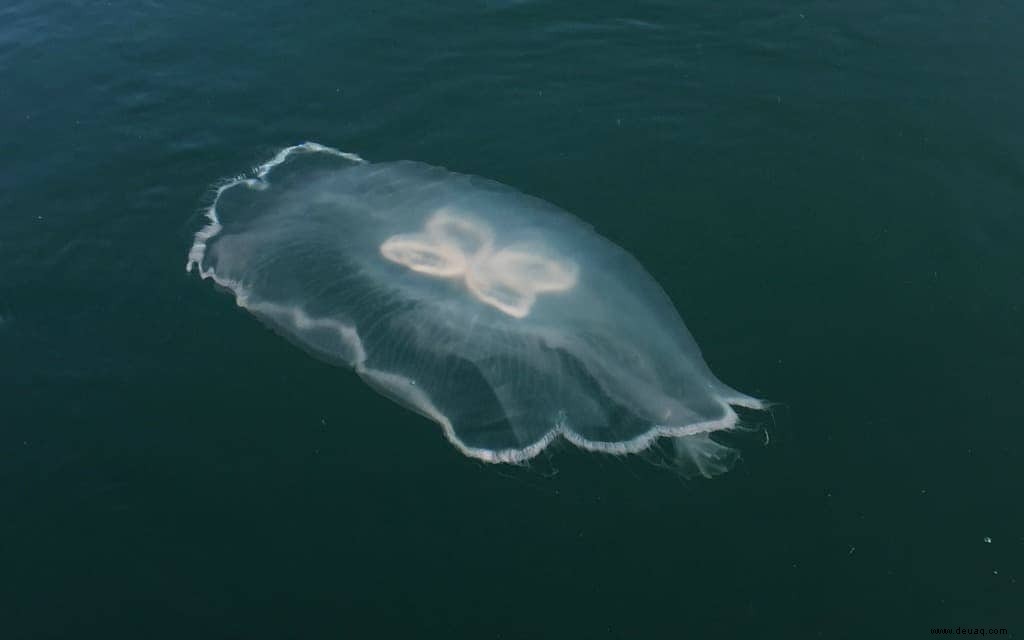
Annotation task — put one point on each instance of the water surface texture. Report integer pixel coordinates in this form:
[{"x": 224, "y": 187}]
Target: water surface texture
[{"x": 830, "y": 193}]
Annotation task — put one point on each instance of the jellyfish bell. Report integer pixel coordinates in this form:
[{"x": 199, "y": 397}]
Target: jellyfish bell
[{"x": 501, "y": 317}]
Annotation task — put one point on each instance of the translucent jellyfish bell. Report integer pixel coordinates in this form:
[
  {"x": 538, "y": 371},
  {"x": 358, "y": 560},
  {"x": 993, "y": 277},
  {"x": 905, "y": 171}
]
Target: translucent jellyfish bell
[{"x": 501, "y": 317}]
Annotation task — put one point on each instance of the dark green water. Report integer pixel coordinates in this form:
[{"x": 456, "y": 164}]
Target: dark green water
[{"x": 830, "y": 192}]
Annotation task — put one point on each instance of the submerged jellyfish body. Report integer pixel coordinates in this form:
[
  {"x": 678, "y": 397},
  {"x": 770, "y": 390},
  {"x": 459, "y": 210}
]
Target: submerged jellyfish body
[{"x": 501, "y": 317}]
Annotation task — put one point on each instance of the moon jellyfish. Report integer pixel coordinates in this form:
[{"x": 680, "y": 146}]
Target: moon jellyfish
[{"x": 504, "y": 319}]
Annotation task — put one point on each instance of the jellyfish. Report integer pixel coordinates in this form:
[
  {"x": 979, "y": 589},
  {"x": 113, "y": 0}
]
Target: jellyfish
[{"x": 504, "y": 319}]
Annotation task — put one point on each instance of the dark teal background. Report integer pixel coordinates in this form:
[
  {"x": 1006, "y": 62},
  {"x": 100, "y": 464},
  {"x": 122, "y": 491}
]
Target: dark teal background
[{"x": 831, "y": 192}]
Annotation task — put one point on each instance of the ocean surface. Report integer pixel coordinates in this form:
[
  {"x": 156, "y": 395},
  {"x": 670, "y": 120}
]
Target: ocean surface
[{"x": 832, "y": 193}]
